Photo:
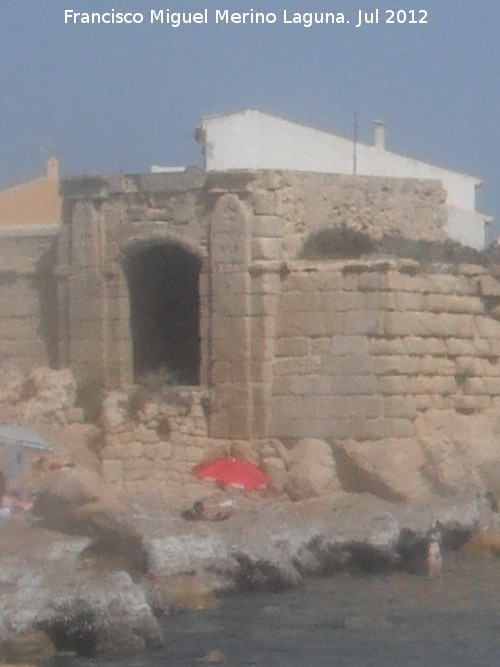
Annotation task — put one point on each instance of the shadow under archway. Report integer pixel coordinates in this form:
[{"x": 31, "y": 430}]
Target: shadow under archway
[{"x": 163, "y": 283}]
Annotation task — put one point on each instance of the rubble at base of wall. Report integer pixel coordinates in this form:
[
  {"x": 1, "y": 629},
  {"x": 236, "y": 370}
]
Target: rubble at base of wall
[{"x": 150, "y": 440}]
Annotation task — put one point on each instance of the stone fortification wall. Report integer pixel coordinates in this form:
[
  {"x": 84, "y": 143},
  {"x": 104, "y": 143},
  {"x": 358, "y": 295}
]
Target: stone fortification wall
[
  {"x": 153, "y": 438},
  {"x": 288, "y": 207},
  {"x": 27, "y": 297},
  {"x": 365, "y": 348},
  {"x": 241, "y": 228}
]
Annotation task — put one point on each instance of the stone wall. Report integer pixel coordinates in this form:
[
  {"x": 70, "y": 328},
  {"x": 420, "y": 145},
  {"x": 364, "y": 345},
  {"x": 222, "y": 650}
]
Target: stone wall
[
  {"x": 27, "y": 297},
  {"x": 241, "y": 228},
  {"x": 364, "y": 348},
  {"x": 153, "y": 438}
]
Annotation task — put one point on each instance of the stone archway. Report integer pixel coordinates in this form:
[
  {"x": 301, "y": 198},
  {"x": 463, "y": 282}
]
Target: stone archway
[{"x": 163, "y": 284}]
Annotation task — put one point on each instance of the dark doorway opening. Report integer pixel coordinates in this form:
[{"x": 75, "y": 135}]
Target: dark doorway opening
[{"x": 164, "y": 312}]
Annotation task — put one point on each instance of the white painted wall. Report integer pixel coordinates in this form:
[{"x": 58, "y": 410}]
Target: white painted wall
[
  {"x": 252, "y": 139},
  {"x": 467, "y": 227}
]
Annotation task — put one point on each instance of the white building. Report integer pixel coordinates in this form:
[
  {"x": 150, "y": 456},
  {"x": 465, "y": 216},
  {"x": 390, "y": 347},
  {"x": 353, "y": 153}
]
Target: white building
[{"x": 251, "y": 139}]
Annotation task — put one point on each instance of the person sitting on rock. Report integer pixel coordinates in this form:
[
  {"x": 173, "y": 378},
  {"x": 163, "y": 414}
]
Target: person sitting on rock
[{"x": 199, "y": 513}]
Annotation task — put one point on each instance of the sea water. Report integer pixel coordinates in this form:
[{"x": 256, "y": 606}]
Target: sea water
[{"x": 397, "y": 620}]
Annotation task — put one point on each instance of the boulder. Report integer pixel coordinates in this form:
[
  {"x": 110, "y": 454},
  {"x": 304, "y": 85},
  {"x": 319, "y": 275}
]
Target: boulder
[
  {"x": 459, "y": 450},
  {"x": 484, "y": 544},
  {"x": 244, "y": 449},
  {"x": 193, "y": 591},
  {"x": 389, "y": 469},
  {"x": 27, "y": 647},
  {"x": 275, "y": 469},
  {"x": 448, "y": 468},
  {"x": 76, "y": 501},
  {"x": 104, "y": 613},
  {"x": 311, "y": 470}
]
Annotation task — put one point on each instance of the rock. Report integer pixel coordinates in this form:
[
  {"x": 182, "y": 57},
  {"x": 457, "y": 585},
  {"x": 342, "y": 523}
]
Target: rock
[
  {"x": 448, "y": 468},
  {"x": 101, "y": 614},
  {"x": 193, "y": 591},
  {"x": 312, "y": 470},
  {"x": 275, "y": 469},
  {"x": 390, "y": 469},
  {"x": 49, "y": 394},
  {"x": 476, "y": 439},
  {"x": 243, "y": 449},
  {"x": 214, "y": 657},
  {"x": 11, "y": 386},
  {"x": 28, "y": 647},
  {"x": 75, "y": 501},
  {"x": 484, "y": 544}
]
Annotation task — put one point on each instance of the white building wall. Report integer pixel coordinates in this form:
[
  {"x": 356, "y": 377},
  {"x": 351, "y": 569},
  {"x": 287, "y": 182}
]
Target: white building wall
[
  {"x": 467, "y": 227},
  {"x": 252, "y": 139}
]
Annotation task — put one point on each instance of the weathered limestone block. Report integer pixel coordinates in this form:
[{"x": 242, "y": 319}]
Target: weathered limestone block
[
  {"x": 343, "y": 300},
  {"x": 401, "y": 282},
  {"x": 315, "y": 324},
  {"x": 298, "y": 302},
  {"x": 268, "y": 226},
  {"x": 471, "y": 270},
  {"x": 430, "y": 365},
  {"x": 292, "y": 346},
  {"x": 349, "y": 345},
  {"x": 381, "y": 301},
  {"x": 322, "y": 281},
  {"x": 476, "y": 437},
  {"x": 363, "y": 322},
  {"x": 353, "y": 385},
  {"x": 410, "y": 301},
  {"x": 378, "y": 429},
  {"x": 432, "y": 384},
  {"x": 428, "y": 324},
  {"x": 267, "y": 248},
  {"x": 388, "y": 346},
  {"x": 389, "y": 468},
  {"x": 427, "y": 345},
  {"x": 467, "y": 404},
  {"x": 276, "y": 470},
  {"x": 266, "y": 202},
  {"x": 311, "y": 470},
  {"x": 440, "y": 303},
  {"x": 244, "y": 449},
  {"x": 313, "y": 385},
  {"x": 489, "y": 286},
  {"x": 401, "y": 407},
  {"x": 488, "y": 327},
  {"x": 442, "y": 283},
  {"x": 395, "y": 365},
  {"x": 449, "y": 467},
  {"x": 350, "y": 364}
]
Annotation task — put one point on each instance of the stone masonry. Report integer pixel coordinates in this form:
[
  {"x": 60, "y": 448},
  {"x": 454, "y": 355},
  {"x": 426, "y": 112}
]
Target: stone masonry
[
  {"x": 242, "y": 228},
  {"x": 199, "y": 284},
  {"x": 365, "y": 347}
]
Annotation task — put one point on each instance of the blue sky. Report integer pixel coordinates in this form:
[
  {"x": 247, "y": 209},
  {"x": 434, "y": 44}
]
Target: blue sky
[{"x": 110, "y": 98}]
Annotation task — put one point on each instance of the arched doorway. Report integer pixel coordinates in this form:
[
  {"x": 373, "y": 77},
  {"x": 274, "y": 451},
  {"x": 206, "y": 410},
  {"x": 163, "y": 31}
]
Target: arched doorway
[{"x": 164, "y": 314}]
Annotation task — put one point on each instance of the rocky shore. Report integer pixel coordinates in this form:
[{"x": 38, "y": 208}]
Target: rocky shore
[
  {"x": 101, "y": 589},
  {"x": 92, "y": 567}
]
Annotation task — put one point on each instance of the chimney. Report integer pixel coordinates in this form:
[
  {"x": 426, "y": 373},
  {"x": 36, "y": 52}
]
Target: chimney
[
  {"x": 52, "y": 169},
  {"x": 379, "y": 134}
]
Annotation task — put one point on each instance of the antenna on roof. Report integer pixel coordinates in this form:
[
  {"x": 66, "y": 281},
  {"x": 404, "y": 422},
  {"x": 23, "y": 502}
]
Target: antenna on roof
[{"x": 355, "y": 144}]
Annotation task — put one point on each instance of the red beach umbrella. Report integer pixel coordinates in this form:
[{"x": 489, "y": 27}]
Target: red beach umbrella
[{"x": 240, "y": 473}]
